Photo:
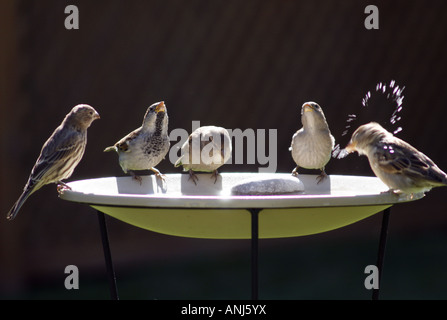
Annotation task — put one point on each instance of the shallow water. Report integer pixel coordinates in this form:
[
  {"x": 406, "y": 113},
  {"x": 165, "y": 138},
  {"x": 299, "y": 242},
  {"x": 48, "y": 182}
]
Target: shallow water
[{"x": 392, "y": 93}]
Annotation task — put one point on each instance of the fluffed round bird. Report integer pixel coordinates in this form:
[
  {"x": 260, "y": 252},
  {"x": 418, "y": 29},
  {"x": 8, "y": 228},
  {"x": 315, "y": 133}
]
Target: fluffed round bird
[
  {"x": 312, "y": 145},
  {"x": 146, "y": 146},
  {"x": 60, "y": 154},
  {"x": 206, "y": 150},
  {"x": 403, "y": 168}
]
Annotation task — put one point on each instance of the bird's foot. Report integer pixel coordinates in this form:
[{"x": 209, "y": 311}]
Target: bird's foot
[
  {"x": 159, "y": 175},
  {"x": 295, "y": 172},
  {"x": 215, "y": 175},
  {"x": 321, "y": 177},
  {"x": 391, "y": 191},
  {"x": 193, "y": 177},
  {"x": 399, "y": 193},
  {"x": 62, "y": 186},
  {"x": 136, "y": 177}
]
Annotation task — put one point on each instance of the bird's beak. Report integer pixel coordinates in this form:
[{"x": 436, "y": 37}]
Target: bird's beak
[
  {"x": 160, "y": 107},
  {"x": 96, "y": 116},
  {"x": 308, "y": 108},
  {"x": 351, "y": 147}
]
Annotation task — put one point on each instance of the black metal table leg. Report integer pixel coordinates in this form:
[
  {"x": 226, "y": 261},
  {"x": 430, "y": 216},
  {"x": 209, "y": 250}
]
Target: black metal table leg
[
  {"x": 108, "y": 256},
  {"x": 254, "y": 252},
  {"x": 382, "y": 245}
]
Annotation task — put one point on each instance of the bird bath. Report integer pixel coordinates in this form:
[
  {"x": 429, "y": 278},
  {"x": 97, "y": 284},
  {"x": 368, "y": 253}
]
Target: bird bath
[
  {"x": 210, "y": 210},
  {"x": 223, "y": 209}
]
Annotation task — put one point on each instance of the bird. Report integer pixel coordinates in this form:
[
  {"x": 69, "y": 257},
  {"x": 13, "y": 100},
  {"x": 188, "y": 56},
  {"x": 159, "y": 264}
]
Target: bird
[
  {"x": 60, "y": 154},
  {"x": 206, "y": 150},
  {"x": 312, "y": 145},
  {"x": 402, "y": 167},
  {"x": 146, "y": 146}
]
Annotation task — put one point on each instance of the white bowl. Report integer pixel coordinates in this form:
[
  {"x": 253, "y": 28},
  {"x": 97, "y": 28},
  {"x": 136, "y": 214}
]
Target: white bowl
[{"x": 210, "y": 210}]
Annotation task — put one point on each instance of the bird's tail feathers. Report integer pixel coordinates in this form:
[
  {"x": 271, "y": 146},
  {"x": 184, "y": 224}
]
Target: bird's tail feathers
[
  {"x": 444, "y": 180},
  {"x": 19, "y": 203},
  {"x": 178, "y": 163},
  {"x": 111, "y": 148}
]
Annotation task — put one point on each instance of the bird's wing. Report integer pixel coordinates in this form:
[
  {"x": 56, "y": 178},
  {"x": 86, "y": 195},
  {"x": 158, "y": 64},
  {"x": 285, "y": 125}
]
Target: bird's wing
[
  {"x": 222, "y": 145},
  {"x": 218, "y": 144},
  {"x": 402, "y": 158},
  {"x": 391, "y": 159},
  {"x": 60, "y": 147},
  {"x": 123, "y": 144},
  {"x": 300, "y": 132},
  {"x": 185, "y": 149}
]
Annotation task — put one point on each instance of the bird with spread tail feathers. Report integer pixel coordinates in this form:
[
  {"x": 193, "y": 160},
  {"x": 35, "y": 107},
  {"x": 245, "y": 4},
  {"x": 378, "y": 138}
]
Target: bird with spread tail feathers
[
  {"x": 403, "y": 168},
  {"x": 312, "y": 145},
  {"x": 146, "y": 146},
  {"x": 206, "y": 150},
  {"x": 60, "y": 154}
]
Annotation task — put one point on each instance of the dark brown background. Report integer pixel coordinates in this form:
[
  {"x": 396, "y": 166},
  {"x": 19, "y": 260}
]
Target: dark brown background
[{"x": 237, "y": 64}]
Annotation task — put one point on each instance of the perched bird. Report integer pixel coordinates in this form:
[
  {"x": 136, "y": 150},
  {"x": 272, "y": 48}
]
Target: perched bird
[
  {"x": 398, "y": 164},
  {"x": 312, "y": 145},
  {"x": 206, "y": 150},
  {"x": 60, "y": 154},
  {"x": 145, "y": 147}
]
